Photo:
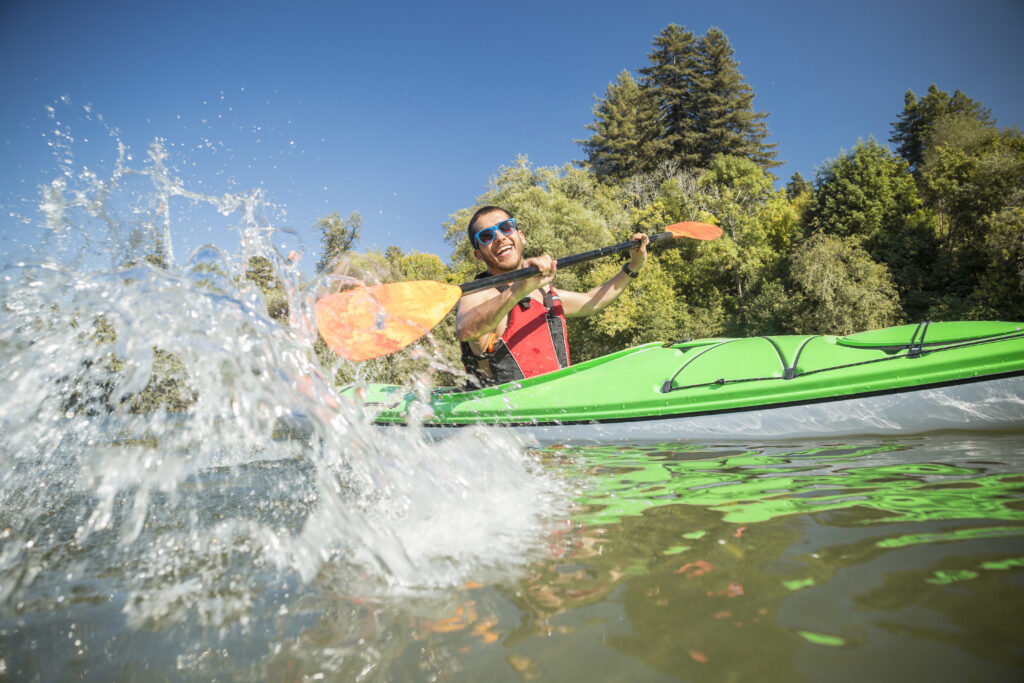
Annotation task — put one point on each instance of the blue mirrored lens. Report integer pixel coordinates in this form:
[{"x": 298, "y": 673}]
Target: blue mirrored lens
[{"x": 507, "y": 227}]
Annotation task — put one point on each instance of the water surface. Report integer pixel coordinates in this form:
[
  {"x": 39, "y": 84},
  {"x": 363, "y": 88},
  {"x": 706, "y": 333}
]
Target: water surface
[{"x": 900, "y": 558}]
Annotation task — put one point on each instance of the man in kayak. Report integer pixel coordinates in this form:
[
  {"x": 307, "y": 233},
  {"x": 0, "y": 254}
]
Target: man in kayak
[{"x": 518, "y": 330}]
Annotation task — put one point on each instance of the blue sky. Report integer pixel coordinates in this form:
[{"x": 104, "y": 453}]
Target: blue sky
[{"x": 403, "y": 110}]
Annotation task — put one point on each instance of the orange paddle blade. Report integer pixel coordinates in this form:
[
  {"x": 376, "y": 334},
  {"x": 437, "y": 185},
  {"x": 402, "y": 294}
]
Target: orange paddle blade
[
  {"x": 698, "y": 231},
  {"x": 369, "y": 322}
]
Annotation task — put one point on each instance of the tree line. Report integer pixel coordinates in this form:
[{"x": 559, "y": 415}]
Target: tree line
[{"x": 931, "y": 231}]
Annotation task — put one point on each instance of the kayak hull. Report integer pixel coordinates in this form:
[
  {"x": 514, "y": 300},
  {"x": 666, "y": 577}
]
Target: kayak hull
[
  {"x": 989, "y": 405},
  {"x": 903, "y": 380}
]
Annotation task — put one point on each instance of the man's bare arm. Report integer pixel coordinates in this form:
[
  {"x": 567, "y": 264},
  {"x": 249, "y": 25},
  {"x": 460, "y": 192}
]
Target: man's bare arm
[{"x": 579, "y": 304}]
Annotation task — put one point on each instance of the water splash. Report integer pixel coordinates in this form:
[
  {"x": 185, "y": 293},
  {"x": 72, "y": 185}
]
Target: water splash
[{"x": 147, "y": 424}]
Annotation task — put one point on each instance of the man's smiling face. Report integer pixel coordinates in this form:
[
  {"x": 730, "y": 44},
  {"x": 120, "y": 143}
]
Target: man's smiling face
[{"x": 505, "y": 252}]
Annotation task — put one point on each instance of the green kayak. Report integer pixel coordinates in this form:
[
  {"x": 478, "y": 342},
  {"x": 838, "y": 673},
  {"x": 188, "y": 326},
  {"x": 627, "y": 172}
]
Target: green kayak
[{"x": 898, "y": 380}]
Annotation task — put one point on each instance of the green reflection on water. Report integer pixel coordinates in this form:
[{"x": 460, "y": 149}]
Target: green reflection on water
[
  {"x": 710, "y": 565},
  {"x": 955, "y": 535},
  {"x": 1011, "y": 563},
  {"x": 754, "y": 487},
  {"x": 822, "y": 639},
  {"x": 946, "y": 577}
]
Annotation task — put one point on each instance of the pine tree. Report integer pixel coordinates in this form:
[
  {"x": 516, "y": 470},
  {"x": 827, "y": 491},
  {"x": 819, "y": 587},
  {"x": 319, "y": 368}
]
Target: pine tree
[
  {"x": 914, "y": 126},
  {"x": 691, "y": 104},
  {"x": 723, "y": 107},
  {"x": 672, "y": 80},
  {"x": 626, "y": 130},
  {"x": 797, "y": 186},
  {"x": 706, "y": 108}
]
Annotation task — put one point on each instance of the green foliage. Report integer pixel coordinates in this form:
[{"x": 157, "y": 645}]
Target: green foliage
[
  {"x": 733, "y": 190},
  {"x": 912, "y": 254},
  {"x": 261, "y": 273},
  {"x": 971, "y": 175},
  {"x": 912, "y": 130},
  {"x": 969, "y": 171},
  {"x": 864, "y": 194},
  {"x": 772, "y": 309},
  {"x": 759, "y": 226},
  {"x": 842, "y": 290},
  {"x": 1000, "y": 290},
  {"x": 868, "y": 195},
  {"x": 337, "y": 236}
]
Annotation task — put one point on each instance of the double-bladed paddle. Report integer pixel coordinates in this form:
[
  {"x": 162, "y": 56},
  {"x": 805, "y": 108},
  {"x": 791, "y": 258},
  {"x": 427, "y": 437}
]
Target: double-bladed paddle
[{"x": 368, "y": 322}]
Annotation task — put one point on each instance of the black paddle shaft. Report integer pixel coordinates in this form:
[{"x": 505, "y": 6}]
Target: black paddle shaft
[{"x": 565, "y": 261}]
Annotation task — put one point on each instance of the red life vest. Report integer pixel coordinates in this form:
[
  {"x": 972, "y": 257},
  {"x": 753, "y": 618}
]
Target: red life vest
[{"x": 535, "y": 341}]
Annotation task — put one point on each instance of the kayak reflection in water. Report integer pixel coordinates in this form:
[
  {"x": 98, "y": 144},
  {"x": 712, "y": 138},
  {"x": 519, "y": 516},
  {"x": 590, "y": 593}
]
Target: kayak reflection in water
[{"x": 517, "y": 331}]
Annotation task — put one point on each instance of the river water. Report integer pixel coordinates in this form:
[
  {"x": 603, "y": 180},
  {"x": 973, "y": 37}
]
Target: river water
[
  {"x": 881, "y": 559},
  {"x": 161, "y": 520}
]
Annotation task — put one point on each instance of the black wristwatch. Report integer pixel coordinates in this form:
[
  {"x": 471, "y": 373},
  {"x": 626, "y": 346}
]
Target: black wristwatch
[{"x": 631, "y": 273}]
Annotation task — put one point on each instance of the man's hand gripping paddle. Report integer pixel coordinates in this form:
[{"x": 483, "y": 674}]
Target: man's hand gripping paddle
[{"x": 368, "y": 322}]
